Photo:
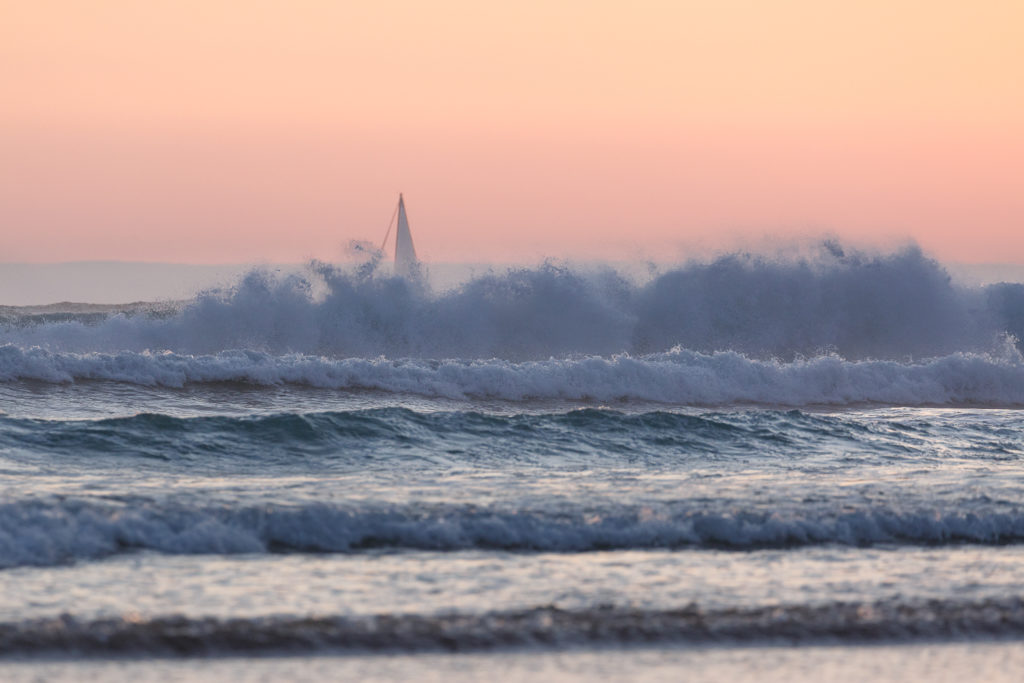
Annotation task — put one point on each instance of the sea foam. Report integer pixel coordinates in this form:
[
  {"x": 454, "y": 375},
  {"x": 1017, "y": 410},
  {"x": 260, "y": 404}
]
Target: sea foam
[
  {"x": 678, "y": 376},
  {"x": 834, "y": 328},
  {"x": 858, "y": 306},
  {"x": 36, "y": 532}
]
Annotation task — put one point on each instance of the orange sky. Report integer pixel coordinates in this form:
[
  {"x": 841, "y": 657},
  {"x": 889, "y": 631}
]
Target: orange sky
[{"x": 227, "y": 131}]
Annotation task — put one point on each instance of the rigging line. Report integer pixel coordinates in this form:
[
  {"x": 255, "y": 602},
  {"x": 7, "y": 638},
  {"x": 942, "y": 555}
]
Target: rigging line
[{"x": 390, "y": 224}]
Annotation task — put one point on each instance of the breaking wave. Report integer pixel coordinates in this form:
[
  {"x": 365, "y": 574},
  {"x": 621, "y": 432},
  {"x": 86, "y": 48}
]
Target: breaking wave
[
  {"x": 678, "y": 376},
  {"x": 855, "y": 305},
  {"x": 52, "y": 533},
  {"x": 542, "y": 626}
]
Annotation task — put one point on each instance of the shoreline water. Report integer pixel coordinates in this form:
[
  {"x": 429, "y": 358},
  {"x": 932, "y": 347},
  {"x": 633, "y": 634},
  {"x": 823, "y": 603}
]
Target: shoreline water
[{"x": 989, "y": 660}]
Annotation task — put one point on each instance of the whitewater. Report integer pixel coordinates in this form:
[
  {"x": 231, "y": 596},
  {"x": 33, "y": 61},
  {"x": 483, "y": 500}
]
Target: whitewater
[{"x": 587, "y": 471}]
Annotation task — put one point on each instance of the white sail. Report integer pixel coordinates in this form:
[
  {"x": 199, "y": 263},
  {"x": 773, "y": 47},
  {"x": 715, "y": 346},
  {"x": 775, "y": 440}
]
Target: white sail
[{"x": 405, "y": 252}]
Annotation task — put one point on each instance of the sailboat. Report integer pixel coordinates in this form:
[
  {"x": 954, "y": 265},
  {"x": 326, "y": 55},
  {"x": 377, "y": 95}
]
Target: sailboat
[{"x": 406, "y": 264}]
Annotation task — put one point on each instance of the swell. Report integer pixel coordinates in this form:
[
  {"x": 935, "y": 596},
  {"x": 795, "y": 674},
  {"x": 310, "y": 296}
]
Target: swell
[
  {"x": 853, "y": 304},
  {"x": 678, "y": 376},
  {"x": 398, "y": 437},
  {"x": 542, "y": 626},
  {"x": 386, "y": 434},
  {"x": 45, "y": 533}
]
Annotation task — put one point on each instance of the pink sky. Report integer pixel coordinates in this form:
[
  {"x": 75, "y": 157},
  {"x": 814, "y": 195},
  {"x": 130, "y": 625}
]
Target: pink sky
[{"x": 216, "y": 131}]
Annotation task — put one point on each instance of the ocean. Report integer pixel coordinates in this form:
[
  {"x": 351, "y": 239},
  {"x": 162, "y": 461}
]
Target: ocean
[{"x": 751, "y": 467}]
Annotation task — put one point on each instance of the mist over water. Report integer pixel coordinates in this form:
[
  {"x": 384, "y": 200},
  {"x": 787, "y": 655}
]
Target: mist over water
[
  {"x": 897, "y": 306},
  {"x": 828, "y": 325}
]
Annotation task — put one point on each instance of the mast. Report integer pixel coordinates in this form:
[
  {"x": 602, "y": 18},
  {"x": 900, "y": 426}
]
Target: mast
[{"x": 405, "y": 252}]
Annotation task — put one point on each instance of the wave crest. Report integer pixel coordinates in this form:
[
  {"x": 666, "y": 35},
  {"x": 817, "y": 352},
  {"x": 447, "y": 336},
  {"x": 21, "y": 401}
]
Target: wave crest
[
  {"x": 542, "y": 626},
  {"x": 857, "y": 305},
  {"x": 41, "y": 533},
  {"x": 677, "y": 377}
]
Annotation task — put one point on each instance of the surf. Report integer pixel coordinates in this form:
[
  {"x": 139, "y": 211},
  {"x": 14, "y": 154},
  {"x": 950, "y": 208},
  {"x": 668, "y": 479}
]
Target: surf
[{"x": 857, "y": 305}]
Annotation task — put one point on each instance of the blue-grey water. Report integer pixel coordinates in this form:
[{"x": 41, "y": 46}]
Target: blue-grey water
[{"x": 744, "y": 453}]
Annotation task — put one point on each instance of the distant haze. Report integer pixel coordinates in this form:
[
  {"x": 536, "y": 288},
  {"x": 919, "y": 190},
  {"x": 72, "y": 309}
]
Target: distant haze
[{"x": 223, "y": 131}]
